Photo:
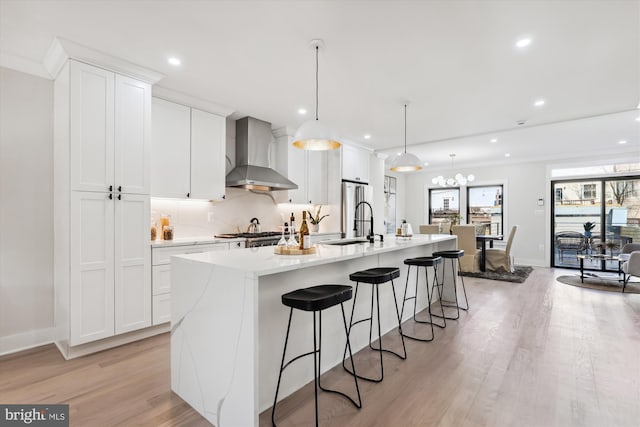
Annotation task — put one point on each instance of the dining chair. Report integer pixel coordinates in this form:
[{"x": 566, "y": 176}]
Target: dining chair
[
  {"x": 631, "y": 267},
  {"x": 466, "y": 234},
  {"x": 429, "y": 229},
  {"x": 501, "y": 259}
]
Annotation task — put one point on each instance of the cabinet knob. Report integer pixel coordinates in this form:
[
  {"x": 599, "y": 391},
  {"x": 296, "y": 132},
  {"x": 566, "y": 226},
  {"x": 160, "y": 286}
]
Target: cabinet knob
[
  {"x": 357, "y": 178},
  {"x": 188, "y": 195},
  {"x": 223, "y": 196},
  {"x": 111, "y": 188},
  {"x": 289, "y": 200},
  {"x": 119, "y": 196},
  {"x": 309, "y": 201},
  {"x": 120, "y": 188},
  {"x": 110, "y": 196}
]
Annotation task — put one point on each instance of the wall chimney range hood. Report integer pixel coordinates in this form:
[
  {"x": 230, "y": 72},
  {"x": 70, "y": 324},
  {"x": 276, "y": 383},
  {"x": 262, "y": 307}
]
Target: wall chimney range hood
[{"x": 252, "y": 171}]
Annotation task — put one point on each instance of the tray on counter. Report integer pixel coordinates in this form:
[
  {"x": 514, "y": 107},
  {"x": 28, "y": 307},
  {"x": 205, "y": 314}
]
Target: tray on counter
[{"x": 280, "y": 250}]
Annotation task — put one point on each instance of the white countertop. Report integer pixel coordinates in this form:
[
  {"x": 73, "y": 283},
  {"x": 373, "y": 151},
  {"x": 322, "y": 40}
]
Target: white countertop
[
  {"x": 262, "y": 261},
  {"x": 185, "y": 241}
]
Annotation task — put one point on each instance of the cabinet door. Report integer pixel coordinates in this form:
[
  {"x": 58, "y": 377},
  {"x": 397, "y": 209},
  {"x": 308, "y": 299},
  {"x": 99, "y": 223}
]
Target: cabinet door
[
  {"x": 171, "y": 145},
  {"x": 132, "y": 263},
  {"x": 355, "y": 164},
  {"x": 91, "y": 288},
  {"x": 132, "y": 135},
  {"x": 91, "y": 127},
  {"x": 208, "y": 139},
  {"x": 317, "y": 177},
  {"x": 297, "y": 172}
]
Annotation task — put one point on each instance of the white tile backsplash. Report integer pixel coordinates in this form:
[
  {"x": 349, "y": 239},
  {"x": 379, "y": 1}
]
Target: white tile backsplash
[{"x": 190, "y": 218}]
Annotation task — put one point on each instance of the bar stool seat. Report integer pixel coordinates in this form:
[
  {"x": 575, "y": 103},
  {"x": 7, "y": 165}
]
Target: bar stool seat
[
  {"x": 375, "y": 276},
  {"x": 426, "y": 262},
  {"x": 315, "y": 299},
  {"x": 453, "y": 255}
]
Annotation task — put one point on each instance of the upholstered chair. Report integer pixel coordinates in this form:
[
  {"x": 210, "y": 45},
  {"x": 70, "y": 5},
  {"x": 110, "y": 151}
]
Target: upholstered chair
[
  {"x": 466, "y": 234},
  {"x": 501, "y": 259},
  {"x": 429, "y": 229}
]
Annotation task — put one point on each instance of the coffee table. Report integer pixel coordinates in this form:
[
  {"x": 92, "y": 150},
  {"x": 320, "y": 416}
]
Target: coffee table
[{"x": 603, "y": 260}]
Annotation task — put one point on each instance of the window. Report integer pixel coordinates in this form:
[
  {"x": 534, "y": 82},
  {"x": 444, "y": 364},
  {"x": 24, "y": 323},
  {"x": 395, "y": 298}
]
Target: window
[
  {"x": 485, "y": 208},
  {"x": 589, "y": 191},
  {"x": 443, "y": 204}
]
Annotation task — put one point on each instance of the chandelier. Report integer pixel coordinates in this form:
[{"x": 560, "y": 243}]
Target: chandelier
[{"x": 457, "y": 180}]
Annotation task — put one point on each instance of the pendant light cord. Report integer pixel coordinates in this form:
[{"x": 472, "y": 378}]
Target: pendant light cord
[
  {"x": 317, "y": 81},
  {"x": 405, "y": 128}
]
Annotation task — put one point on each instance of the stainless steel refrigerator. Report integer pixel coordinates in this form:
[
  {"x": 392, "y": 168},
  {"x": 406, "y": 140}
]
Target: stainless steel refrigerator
[{"x": 352, "y": 194}]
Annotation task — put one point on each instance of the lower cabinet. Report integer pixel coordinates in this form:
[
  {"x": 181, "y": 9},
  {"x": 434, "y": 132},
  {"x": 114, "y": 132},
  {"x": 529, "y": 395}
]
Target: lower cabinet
[{"x": 161, "y": 274}]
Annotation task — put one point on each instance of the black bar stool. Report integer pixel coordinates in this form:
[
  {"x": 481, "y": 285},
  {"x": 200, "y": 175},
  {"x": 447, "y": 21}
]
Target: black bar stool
[
  {"x": 375, "y": 276},
  {"x": 316, "y": 299},
  {"x": 426, "y": 262},
  {"x": 453, "y": 255}
]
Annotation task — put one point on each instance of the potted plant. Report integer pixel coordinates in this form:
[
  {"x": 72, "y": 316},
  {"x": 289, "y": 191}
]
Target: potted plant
[
  {"x": 315, "y": 220},
  {"x": 588, "y": 226}
]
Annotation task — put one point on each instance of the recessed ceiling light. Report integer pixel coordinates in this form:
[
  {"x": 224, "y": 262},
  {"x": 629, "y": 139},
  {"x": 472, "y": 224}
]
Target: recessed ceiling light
[
  {"x": 539, "y": 102},
  {"x": 507, "y": 154},
  {"x": 174, "y": 61},
  {"x": 493, "y": 140},
  {"x": 524, "y": 42},
  {"x": 622, "y": 141},
  {"x": 367, "y": 136},
  {"x": 302, "y": 111}
]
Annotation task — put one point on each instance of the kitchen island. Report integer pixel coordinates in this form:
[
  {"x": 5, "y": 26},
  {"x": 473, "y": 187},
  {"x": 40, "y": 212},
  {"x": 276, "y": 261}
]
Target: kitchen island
[{"x": 228, "y": 323}]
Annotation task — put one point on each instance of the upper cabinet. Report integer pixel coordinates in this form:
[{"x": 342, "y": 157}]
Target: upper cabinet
[
  {"x": 355, "y": 164},
  {"x": 308, "y": 169},
  {"x": 188, "y": 155},
  {"x": 109, "y": 133}
]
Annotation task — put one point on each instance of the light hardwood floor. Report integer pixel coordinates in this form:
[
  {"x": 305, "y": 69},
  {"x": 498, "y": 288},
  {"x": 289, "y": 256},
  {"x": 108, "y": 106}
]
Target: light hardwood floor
[{"x": 533, "y": 354}]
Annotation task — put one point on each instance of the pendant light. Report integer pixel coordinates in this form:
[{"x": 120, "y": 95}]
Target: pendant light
[
  {"x": 405, "y": 162},
  {"x": 456, "y": 181},
  {"x": 313, "y": 134}
]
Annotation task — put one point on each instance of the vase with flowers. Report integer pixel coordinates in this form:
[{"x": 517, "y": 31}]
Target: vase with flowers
[{"x": 315, "y": 220}]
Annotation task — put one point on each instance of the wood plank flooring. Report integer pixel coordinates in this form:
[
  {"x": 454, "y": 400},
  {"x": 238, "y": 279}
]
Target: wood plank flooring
[{"x": 533, "y": 354}]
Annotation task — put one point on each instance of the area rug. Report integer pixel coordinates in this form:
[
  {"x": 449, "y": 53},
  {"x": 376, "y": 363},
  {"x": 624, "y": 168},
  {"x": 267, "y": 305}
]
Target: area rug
[
  {"x": 600, "y": 284},
  {"x": 518, "y": 276}
]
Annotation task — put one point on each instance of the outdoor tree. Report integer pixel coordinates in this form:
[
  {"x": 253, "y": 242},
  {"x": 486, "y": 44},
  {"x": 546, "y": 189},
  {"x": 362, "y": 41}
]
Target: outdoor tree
[{"x": 620, "y": 190}]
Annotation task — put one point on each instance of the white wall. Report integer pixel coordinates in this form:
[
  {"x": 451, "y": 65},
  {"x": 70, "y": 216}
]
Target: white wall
[
  {"x": 523, "y": 185},
  {"x": 26, "y": 207}
]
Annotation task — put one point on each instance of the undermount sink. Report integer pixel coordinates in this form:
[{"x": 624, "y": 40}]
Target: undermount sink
[{"x": 345, "y": 242}]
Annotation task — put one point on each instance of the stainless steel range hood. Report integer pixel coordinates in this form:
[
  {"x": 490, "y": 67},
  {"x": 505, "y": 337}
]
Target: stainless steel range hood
[{"x": 252, "y": 170}]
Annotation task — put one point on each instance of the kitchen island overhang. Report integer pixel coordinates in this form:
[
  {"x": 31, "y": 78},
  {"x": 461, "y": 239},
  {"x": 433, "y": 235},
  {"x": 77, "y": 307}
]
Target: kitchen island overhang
[{"x": 228, "y": 322}]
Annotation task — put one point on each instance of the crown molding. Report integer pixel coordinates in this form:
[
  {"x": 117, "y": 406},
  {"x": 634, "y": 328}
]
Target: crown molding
[
  {"x": 190, "y": 101},
  {"x": 61, "y": 50},
  {"x": 24, "y": 65}
]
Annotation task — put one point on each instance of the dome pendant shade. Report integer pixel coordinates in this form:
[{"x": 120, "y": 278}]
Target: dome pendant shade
[
  {"x": 405, "y": 162},
  {"x": 313, "y": 135}
]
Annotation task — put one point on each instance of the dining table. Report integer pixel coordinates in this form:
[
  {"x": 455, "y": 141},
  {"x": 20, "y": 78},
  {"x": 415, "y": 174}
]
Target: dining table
[{"x": 483, "y": 239}]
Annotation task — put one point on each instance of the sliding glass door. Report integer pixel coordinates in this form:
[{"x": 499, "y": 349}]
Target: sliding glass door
[{"x": 594, "y": 217}]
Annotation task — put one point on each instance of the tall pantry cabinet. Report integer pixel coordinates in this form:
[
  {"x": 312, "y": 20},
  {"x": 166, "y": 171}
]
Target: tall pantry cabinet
[{"x": 102, "y": 259}]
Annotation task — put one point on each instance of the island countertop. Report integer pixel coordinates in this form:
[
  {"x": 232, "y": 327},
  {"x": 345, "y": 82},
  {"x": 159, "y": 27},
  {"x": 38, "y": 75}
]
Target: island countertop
[{"x": 263, "y": 261}]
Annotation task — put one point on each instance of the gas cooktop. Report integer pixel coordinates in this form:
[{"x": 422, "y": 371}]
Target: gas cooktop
[{"x": 249, "y": 235}]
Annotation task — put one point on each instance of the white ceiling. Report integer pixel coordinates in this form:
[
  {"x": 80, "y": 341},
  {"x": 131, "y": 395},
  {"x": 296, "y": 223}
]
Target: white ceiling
[{"x": 454, "y": 61}]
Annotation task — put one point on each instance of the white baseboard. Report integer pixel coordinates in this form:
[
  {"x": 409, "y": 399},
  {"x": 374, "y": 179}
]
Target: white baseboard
[{"x": 26, "y": 340}]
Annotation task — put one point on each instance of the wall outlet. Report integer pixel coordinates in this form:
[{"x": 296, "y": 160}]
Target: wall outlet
[{"x": 210, "y": 216}]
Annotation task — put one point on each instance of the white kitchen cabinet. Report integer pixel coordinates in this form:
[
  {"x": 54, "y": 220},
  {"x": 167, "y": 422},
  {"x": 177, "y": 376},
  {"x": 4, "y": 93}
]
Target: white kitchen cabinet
[
  {"x": 355, "y": 164},
  {"x": 319, "y": 238},
  {"x": 171, "y": 155},
  {"x": 208, "y": 147},
  {"x": 132, "y": 261},
  {"x": 102, "y": 142},
  {"x": 91, "y": 305},
  {"x": 309, "y": 170},
  {"x": 188, "y": 152},
  {"x": 161, "y": 272}
]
